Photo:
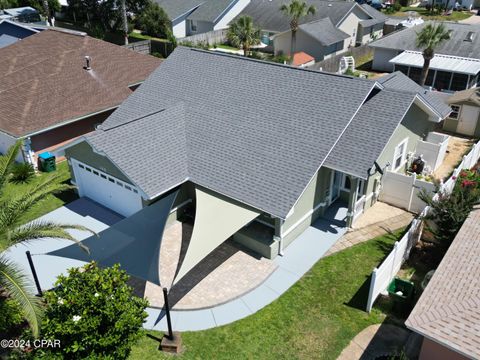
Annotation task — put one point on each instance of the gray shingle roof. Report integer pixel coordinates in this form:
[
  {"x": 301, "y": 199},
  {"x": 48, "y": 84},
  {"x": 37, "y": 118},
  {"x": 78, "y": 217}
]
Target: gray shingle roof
[
  {"x": 266, "y": 14},
  {"x": 324, "y": 31},
  {"x": 374, "y": 13},
  {"x": 176, "y": 8},
  {"x": 405, "y": 40},
  {"x": 255, "y": 131},
  {"x": 369, "y": 131},
  {"x": 399, "y": 81},
  {"x": 448, "y": 311},
  {"x": 210, "y": 10}
]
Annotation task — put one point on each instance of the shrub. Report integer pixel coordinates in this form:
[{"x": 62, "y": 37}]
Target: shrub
[
  {"x": 397, "y": 6},
  {"x": 154, "y": 21},
  {"x": 93, "y": 313},
  {"x": 22, "y": 173},
  {"x": 449, "y": 211},
  {"x": 11, "y": 315}
]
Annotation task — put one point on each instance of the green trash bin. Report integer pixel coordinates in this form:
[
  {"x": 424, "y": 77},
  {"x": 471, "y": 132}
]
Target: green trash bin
[
  {"x": 46, "y": 162},
  {"x": 401, "y": 291}
]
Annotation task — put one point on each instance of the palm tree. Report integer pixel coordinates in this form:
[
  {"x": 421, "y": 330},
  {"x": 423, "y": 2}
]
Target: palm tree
[
  {"x": 429, "y": 38},
  {"x": 46, "y": 9},
  {"x": 296, "y": 10},
  {"x": 13, "y": 281},
  {"x": 243, "y": 34}
]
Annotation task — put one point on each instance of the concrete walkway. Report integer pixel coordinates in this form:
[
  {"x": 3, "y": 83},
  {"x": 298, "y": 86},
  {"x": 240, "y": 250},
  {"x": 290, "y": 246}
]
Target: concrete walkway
[{"x": 298, "y": 258}]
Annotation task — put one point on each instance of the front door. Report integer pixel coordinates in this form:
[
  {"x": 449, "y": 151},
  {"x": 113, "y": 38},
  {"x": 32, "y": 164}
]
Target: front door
[
  {"x": 335, "y": 186},
  {"x": 467, "y": 120}
]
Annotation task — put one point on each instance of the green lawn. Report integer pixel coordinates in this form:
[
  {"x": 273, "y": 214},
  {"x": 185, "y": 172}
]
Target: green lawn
[
  {"x": 311, "y": 320},
  {"x": 426, "y": 15},
  {"x": 226, "y": 47},
  {"x": 50, "y": 203}
]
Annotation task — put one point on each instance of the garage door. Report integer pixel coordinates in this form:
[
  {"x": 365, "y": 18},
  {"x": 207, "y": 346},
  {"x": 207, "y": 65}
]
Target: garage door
[{"x": 107, "y": 190}]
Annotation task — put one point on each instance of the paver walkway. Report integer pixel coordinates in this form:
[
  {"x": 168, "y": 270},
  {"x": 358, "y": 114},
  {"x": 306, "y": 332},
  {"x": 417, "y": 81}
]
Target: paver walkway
[
  {"x": 358, "y": 236},
  {"x": 375, "y": 341}
]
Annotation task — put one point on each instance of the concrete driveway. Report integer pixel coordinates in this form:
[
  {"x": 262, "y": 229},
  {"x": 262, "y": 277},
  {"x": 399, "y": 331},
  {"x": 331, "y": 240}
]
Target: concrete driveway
[
  {"x": 471, "y": 20},
  {"x": 79, "y": 212}
]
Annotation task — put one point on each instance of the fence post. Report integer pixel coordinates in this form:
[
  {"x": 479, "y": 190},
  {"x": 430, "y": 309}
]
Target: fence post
[
  {"x": 370, "y": 291},
  {"x": 395, "y": 248},
  {"x": 412, "y": 190}
]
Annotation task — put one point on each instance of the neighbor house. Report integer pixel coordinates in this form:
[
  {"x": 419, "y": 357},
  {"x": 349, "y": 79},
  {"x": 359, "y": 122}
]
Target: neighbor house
[
  {"x": 279, "y": 144},
  {"x": 191, "y": 17},
  {"x": 334, "y": 28},
  {"x": 11, "y": 32},
  {"x": 447, "y": 315},
  {"x": 24, "y": 14},
  {"x": 465, "y": 116},
  {"x": 47, "y": 94},
  {"x": 456, "y": 65}
]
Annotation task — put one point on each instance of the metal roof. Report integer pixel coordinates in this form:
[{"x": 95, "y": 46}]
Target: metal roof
[
  {"x": 6, "y": 40},
  {"x": 449, "y": 63}
]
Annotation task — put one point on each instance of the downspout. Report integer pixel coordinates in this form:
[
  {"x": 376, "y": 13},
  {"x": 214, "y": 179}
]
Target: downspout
[{"x": 278, "y": 234}]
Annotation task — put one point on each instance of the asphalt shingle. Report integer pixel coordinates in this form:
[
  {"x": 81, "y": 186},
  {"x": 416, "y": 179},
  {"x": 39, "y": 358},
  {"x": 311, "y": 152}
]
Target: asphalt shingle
[{"x": 324, "y": 31}]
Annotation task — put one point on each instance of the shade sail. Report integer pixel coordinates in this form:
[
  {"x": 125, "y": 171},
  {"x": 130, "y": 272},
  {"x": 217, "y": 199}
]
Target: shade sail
[
  {"x": 216, "y": 219},
  {"x": 134, "y": 242}
]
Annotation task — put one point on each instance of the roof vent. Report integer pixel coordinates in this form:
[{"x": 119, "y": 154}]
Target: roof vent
[
  {"x": 88, "y": 61},
  {"x": 469, "y": 36}
]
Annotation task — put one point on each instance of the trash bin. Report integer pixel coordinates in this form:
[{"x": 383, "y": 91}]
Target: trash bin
[
  {"x": 46, "y": 162},
  {"x": 401, "y": 291}
]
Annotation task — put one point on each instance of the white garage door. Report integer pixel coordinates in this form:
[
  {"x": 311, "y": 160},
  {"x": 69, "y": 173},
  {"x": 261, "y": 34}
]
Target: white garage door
[{"x": 111, "y": 192}]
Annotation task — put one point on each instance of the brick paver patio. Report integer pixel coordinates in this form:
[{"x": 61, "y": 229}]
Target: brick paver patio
[{"x": 227, "y": 273}]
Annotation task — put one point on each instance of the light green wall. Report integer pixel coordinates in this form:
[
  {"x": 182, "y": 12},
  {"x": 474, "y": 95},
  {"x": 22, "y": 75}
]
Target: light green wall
[
  {"x": 450, "y": 125},
  {"x": 415, "y": 126},
  {"x": 314, "y": 194},
  {"x": 84, "y": 153}
]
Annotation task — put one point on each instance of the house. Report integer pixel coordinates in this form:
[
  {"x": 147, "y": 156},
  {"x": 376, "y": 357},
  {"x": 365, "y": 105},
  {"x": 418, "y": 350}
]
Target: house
[
  {"x": 278, "y": 144},
  {"x": 191, "y": 17},
  {"x": 335, "y": 26},
  {"x": 456, "y": 65},
  {"x": 11, "y": 32},
  {"x": 465, "y": 116},
  {"x": 447, "y": 314},
  {"x": 47, "y": 95},
  {"x": 24, "y": 14},
  {"x": 302, "y": 59}
]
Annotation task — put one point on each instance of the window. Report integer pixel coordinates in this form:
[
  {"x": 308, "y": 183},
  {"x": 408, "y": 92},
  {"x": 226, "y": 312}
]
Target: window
[
  {"x": 399, "y": 155},
  {"x": 95, "y": 172},
  {"x": 81, "y": 166},
  {"x": 193, "y": 25},
  {"x": 128, "y": 187},
  {"x": 111, "y": 180},
  {"x": 442, "y": 81},
  {"x": 119, "y": 184},
  {"x": 430, "y": 75},
  {"x": 346, "y": 182},
  {"x": 459, "y": 82},
  {"x": 415, "y": 74},
  {"x": 402, "y": 69},
  {"x": 455, "y": 112},
  {"x": 103, "y": 176},
  {"x": 333, "y": 48},
  {"x": 88, "y": 169}
]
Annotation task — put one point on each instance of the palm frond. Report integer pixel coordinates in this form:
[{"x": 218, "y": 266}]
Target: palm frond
[
  {"x": 47, "y": 229},
  {"x": 7, "y": 161},
  {"x": 19, "y": 288},
  {"x": 13, "y": 209}
]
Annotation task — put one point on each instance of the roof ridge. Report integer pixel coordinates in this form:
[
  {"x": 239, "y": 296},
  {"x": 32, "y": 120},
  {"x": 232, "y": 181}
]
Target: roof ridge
[{"x": 265, "y": 62}]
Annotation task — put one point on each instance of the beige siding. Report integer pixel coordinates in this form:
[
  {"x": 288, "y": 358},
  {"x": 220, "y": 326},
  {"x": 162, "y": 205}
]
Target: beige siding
[{"x": 350, "y": 26}]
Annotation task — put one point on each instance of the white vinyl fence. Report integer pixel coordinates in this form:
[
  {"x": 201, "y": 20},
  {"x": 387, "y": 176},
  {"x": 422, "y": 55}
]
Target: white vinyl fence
[
  {"x": 383, "y": 275},
  {"x": 402, "y": 191}
]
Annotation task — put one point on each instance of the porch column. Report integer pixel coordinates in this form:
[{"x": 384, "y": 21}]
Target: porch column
[
  {"x": 278, "y": 234},
  {"x": 352, "y": 199}
]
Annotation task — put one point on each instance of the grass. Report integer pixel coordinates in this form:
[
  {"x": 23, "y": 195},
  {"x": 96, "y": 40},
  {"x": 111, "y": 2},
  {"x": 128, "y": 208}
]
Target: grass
[
  {"x": 226, "y": 47},
  {"x": 51, "y": 202},
  {"x": 316, "y": 318},
  {"x": 426, "y": 15},
  {"x": 136, "y": 35}
]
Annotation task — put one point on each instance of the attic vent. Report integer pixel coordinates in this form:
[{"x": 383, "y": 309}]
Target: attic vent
[
  {"x": 88, "y": 61},
  {"x": 469, "y": 36}
]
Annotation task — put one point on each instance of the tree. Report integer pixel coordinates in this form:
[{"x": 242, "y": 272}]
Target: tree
[
  {"x": 12, "y": 280},
  {"x": 429, "y": 38},
  {"x": 243, "y": 34},
  {"x": 154, "y": 21},
  {"x": 93, "y": 313},
  {"x": 296, "y": 10}
]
